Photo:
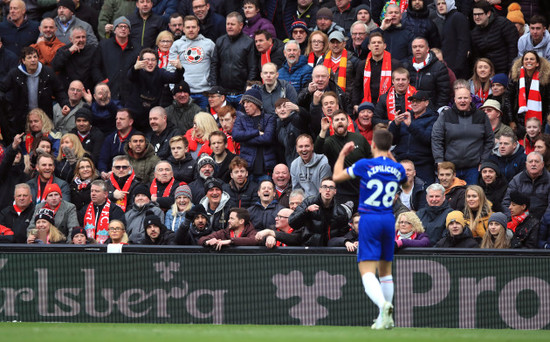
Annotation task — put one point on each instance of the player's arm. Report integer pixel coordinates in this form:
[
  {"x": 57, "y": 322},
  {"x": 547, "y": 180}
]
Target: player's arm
[{"x": 340, "y": 174}]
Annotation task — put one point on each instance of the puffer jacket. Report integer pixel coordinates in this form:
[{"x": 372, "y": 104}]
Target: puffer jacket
[
  {"x": 538, "y": 191},
  {"x": 526, "y": 234},
  {"x": 433, "y": 219},
  {"x": 495, "y": 191},
  {"x": 455, "y": 44},
  {"x": 414, "y": 142},
  {"x": 433, "y": 78},
  {"x": 258, "y": 23},
  {"x": 245, "y": 196},
  {"x": 496, "y": 41},
  {"x": 464, "y": 240},
  {"x": 247, "y": 134},
  {"x": 234, "y": 62},
  {"x": 184, "y": 169},
  {"x": 420, "y": 24},
  {"x": 464, "y": 138},
  {"x": 144, "y": 32},
  {"x": 298, "y": 75},
  {"x": 398, "y": 41},
  {"x": 322, "y": 225}
]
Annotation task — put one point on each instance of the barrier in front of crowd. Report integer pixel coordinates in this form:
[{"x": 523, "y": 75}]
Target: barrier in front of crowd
[{"x": 250, "y": 285}]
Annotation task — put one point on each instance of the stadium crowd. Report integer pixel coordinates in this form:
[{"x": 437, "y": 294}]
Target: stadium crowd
[{"x": 218, "y": 122}]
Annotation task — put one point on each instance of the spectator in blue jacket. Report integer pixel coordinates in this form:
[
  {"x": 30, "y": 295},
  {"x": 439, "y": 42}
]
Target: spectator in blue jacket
[
  {"x": 295, "y": 70},
  {"x": 255, "y": 130}
]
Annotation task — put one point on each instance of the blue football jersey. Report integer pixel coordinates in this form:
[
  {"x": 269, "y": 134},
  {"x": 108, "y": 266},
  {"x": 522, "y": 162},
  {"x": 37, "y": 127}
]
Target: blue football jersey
[{"x": 380, "y": 179}]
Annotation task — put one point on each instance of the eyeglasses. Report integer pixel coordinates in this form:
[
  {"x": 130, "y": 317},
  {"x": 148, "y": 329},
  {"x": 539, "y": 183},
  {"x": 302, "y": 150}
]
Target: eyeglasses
[
  {"x": 116, "y": 229},
  {"x": 281, "y": 217},
  {"x": 404, "y": 222},
  {"x": 121, "y": 167},
  {"x": 317, "y": 42},
  {"x": 126, "y": 27},
  {"x": 326, "y": 187},
  {"x": 165, "y": 41},
  {"x": 198, "y": 7},
  {"x": 478, "y": 14}
]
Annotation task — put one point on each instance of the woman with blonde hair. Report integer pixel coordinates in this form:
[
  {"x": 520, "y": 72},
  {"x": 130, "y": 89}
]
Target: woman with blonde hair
[
  {"x": 409, "y": 231},
  {"x": 117, "y": 233},
  {"x": 477, "y": 210},
  {"x": 70, "y": 150},
  {"x": 497, "y": 235},
  {"x": 39, "y": 124},
  {"x": 317, "y": 47},
  {"x": 45, "y": 231},
  {"x": 182, "y": 204},
  {"x": 164, "y": 42},
  {"x": 203, "y": 124},
  {"x": 480, "y": 83}
]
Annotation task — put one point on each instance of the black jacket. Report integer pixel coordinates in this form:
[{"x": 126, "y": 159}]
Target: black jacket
[
  {"x": 144, "y": 32},
  {"x": 166, "y": 237},
  {"x": 17, "y": 223},
  {"x": 420, "y": 24},
  {"x": 526, "y": 234},
  {"x": 92, "y": 143},
  {"x": 433, "y": 78},
  {"x": 112, "y": 63},
  {"x": 456, "y": 44},
  {"x": 305, "y": 98},
  {"x": 184, "y": 170},
  {"x": 188, "y": 234},
  {"x": 74, "y": 66},
  {"x": 262, "y": 218},
  {"x": 245, "y": 196},
  {"x": 10, "y": 176},
  {"x": 233, "y": 63},
  {"x": 161, "y": 142},
  {"x": 322, "y": 225},
  {"x": 222, "y": 170},
  {"x": 434, "y": 219},
  {"x": 49, "y": 88},
  {"x": 497, "y": 41},
  {"x": 464, "y": 240}
]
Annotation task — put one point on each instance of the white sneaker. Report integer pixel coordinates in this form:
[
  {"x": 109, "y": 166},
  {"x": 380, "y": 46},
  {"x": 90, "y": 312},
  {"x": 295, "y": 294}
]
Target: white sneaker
[
  {"x": 387, "y": 316},
  {"x": 377, "y": 325}
]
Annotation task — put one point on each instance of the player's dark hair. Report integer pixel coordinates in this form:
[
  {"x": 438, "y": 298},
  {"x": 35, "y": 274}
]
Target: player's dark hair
[{"x": 383, "y": 139}]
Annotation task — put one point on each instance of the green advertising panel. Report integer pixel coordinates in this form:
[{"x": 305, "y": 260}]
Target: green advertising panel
[{"x": 434, "y": 291}]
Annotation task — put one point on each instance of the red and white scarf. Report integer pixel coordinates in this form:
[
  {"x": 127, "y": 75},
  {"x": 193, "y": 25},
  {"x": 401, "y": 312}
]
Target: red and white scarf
[
  {"x": 97, "y": 229},
  {"x": 17, "y": 210},
  {"x": 163, "y": 59},
  {"x": 532, "y": 104},
  {"x": 154, "y": 188},
  {"x": 123, "y": 202},
  {"x": 311, "y": 59},
  {"x": 341, "y": 67},
  {"x": 390, "y": 101},
  {"x": 517, "y": 220},
  {"x": 385, "y": 76}
]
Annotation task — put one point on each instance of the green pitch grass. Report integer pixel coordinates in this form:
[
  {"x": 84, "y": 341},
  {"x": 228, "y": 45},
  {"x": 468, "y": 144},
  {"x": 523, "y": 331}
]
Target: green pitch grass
[{"x": 99, "y": 332}]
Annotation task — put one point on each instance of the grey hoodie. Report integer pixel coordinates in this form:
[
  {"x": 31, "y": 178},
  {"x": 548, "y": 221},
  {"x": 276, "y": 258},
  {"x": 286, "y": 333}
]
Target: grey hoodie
[
  {"x": 32, "y": 84},
  {"x": 309, "y": 176},
  {"x": 525, "y": 43},
  {"x": 196, "y": 57}
]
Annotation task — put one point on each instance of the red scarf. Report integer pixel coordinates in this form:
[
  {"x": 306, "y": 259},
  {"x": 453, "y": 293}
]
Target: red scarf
[
  {"x": 123, "y": 138},
  {"x": 39, "y": 196},
  {"x": 82, "y": 137},
  {"x": 163, "y": 59},
  {"x": 390, "y": 101},
  {"x": 340, "y": 67},
  {"x": 311, "y": 59},
  {"x": 29, "y": 139},
  {"x": 266, "y": 56},
  {"x": 47, "y": 206},
  {"x": 99, "y": 231},
  {"x": 528, "y": 144},
  {"x": 232, "y": 233},
  {"x": 385, "y": 76},
  {"x": 350, "y": 128},
  {"x": 279, "y": 243},
  {"x": 153, "y": 189},
  {"x": 17, "y": 209},
  {"x": 517, "y": 220},
  {"x": 532, "y": 104},
  {"x": 123, "y": 202},
  {"x": 483, "y": 95}
]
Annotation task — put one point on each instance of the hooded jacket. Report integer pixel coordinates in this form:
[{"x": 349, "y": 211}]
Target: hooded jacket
[
  {"x": 526, "y": 234},
  {"x": 454, "y": 43},
  {"x": 309, "y": 176},
  {"x": 495, "y": 191},
  {"x": 510, "y": 165},
  {"x": 196, "y": 58},
  {"x": 420, "y": 24},
  {"x": 218, "y": 219},
  {"x": 134, "y": 220},
  {"x": 256, "y": 23},
  {"x": 166, "y": 237},
  {"x": 544, "y": 89},
  {"x": 525, "y": 43},
  {"x": 144, "y": 167},
  {"x": 188, "y": 234},
  {"x": 462, "y": 137},
  {"x": 288, "y": 130}
]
